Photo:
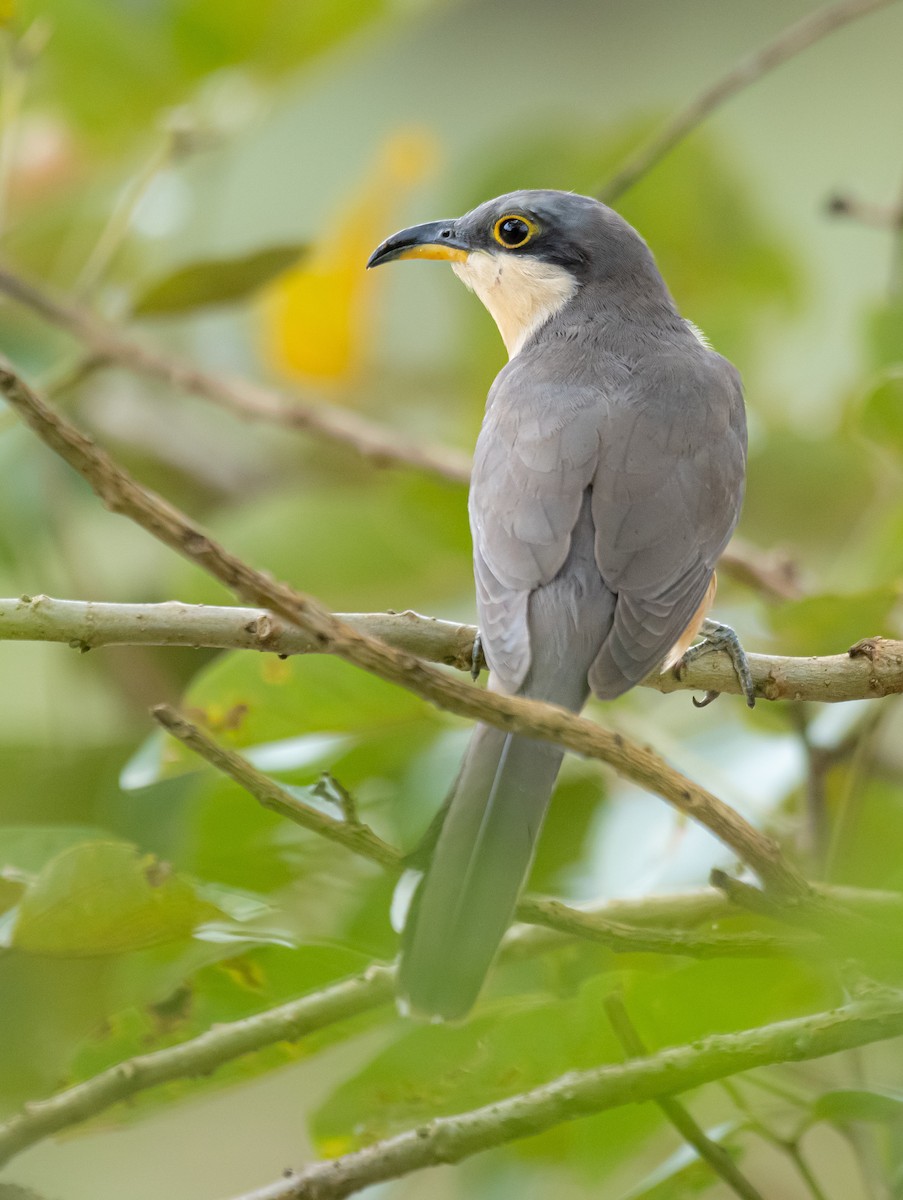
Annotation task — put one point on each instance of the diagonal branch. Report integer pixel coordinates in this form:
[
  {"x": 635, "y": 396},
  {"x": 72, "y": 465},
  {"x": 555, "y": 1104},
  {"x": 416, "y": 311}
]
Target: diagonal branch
[
  {"x": 249, "y": 400},
  {"x": 349, "y": 998},
  {"x": 789, "y": 42},
  {"x": 122, "y": 494},
  {"x": 551, "y": 914},
  {"x": 680, "y": 1117},
  {"x": 771, "y": 574},
  {"x": 199, "y": 1056},
  {"x": 581, "y": 1093},
  {"x": 352, "y": 835},
  {"x": 84, "y": 625}
]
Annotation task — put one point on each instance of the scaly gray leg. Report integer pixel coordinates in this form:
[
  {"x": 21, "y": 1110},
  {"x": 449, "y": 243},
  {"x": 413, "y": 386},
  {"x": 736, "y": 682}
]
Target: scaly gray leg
[{"x": 721, "y": 637}]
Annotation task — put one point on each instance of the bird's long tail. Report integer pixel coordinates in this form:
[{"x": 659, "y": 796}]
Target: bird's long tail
[{"x": 466, "y": 899}]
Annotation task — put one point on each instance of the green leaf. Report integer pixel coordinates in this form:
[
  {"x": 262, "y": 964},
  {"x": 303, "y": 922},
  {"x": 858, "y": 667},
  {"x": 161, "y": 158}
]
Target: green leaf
[
  {"x": 101, "y": 898},
  {"x": 881, "y": 415},
  {"x": 28, "y": 848},
  {"x": 830, "y": 624},
  {"x": 441, "y": 1069},
  {"x": 10, "y": 891},
  {"x": 55, "y": 1007},
  {"x": 370, "y": 544},
  {"x": 675, "y": 1003},
  {"x": 297, "y": 718},
  {"x": 216, "y": 281},
  {"x": 884, "y": 333},
  {"x": 824, "y": 483},
  {"x": 113, "y": 69},
  {"x": 238, "y": 985},
  {"x": 854, "y": 1104},
  {"x": 867, "y": 853}
]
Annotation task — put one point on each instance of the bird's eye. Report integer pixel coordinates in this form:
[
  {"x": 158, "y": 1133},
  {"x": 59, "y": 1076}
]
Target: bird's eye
[{"x": 513, "y": 232}]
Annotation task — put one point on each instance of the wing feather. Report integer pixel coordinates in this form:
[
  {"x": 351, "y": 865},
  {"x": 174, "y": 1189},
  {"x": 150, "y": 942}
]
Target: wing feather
[
  {"x": 666, "y": 498},
  {"x": 535, "y": 457}
]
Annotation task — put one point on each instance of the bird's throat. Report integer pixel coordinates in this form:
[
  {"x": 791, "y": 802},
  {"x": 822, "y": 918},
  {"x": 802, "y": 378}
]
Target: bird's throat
[{"x": 520, "y": 293}]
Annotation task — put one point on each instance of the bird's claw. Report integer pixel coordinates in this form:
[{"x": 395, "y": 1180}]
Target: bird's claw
[{"x": 722, "y": 637}]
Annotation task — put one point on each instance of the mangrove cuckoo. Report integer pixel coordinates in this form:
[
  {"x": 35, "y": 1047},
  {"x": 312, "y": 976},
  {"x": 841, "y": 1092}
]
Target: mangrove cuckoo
[{"x": 607, "y": 480}]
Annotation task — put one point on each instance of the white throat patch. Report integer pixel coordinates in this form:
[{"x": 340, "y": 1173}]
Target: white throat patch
[{"x": 521, "y": 293}]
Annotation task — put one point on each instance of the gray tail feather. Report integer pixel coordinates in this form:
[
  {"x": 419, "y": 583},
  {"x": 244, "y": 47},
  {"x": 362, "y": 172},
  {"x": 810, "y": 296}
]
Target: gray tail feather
[{"x": 482, "y": 856}]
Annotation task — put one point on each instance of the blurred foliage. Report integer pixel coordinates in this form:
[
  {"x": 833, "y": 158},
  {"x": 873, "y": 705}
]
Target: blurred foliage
[
  {"x": 215, "y": 281},
  {"x": 145, "y": 899},
  {"x": 315, "y": 318},
  {"x": 151, "y": 54}
]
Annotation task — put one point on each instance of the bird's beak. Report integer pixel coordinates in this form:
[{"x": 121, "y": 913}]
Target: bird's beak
[{"x": 435, "y": 239}]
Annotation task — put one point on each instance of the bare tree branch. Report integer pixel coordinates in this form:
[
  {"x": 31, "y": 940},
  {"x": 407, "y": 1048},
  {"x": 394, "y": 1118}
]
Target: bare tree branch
[
  {"x": 772, "y": 574},
  {"x": 679, "y": 1116},
  {"x": 551, "y": 914},
  {"x": 371, "y": 989},
  {"x": 289, "y": 1022},
  {"x": 249, "y": 400},
  {"x": 122, "y": 494},
  {"x": 581, "y": 1093},
  {"x": 628, "y": 939},
  {"x": 87, "y": 624},
  {"x": 866, "y": 212},
  {"x": 789, "y": 42},
  {"x": 353, "y": 836}
]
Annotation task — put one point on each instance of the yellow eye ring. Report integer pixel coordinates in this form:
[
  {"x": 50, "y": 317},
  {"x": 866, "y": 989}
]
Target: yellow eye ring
[{"x": 514, "y": 230}]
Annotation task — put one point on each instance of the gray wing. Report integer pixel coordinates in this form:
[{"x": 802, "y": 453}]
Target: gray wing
[
  {"x": 666, "y": 498},
  {"x": 536, "y": 455}
]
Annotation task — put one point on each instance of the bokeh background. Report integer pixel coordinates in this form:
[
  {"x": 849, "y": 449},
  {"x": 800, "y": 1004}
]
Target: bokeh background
[{"x": 276, "y": 144}]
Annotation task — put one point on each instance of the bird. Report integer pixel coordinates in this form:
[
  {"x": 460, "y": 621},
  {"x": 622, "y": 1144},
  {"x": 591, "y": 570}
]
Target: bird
[{"x": 608, "y": 477}]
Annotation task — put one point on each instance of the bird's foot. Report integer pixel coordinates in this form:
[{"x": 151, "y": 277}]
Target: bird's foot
[{"x": 721, "y": 637}]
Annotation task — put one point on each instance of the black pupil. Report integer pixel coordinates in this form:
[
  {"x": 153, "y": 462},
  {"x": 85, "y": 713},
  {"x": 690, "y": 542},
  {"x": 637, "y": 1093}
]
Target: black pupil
[{"x": 514, "y": 231}]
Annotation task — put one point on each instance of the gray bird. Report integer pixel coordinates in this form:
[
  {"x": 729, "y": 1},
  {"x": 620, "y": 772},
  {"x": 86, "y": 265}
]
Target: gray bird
[{"x": 608, "y": 477}]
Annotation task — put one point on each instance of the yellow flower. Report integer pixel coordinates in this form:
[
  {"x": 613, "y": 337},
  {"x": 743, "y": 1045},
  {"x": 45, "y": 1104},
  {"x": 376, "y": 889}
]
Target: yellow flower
[{"x": 316, "y": 317}]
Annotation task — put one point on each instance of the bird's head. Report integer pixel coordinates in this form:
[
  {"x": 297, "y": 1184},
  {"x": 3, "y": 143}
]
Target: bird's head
[{"x": 527, "y": 254}]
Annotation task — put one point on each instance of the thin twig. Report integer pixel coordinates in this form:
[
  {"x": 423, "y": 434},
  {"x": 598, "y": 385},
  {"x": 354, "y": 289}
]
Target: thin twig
[
  {"x": 581, "y": 1093},
  {"x": 774, "y": 575},
  {"x": 679, "y": 1116},
  {"x": 876, "y": 216},
  {"x": 119, "y": 223},
  {"x": 789, "y": 42},
  {"x": 251, "y": 401},
  {"x": 789, "y": 1146},
  {"x": 199, "y": 1056},
  {"x": 887, "y": 217},
  {"x": 356, "y": 837},
  {"x": 796, "y": 1156},
  {"x": 339, "y": 1002},
  {"x": 859, "y": 937},
  {"x": 617, "y": 936},
  {"x": 550, "y": 914},
  {"x": 122, "y": 494},
  {"x": 88, "y": 624}
]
